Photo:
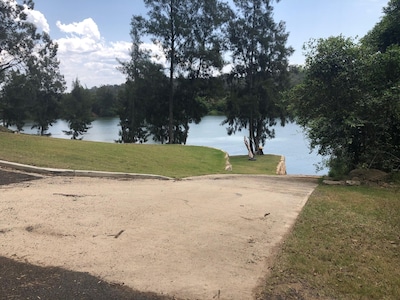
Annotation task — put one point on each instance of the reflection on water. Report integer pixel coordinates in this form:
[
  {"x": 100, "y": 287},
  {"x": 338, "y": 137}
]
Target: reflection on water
[{"x": 289, "y": 140}]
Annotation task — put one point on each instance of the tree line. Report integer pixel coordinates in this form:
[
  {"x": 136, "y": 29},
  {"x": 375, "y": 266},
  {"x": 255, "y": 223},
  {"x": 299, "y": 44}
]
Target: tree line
[
  {"x": 198, "y": 39},
  {"x": 230, "y": 58},
  {"x": 349, "y": 100},
  {"x": 162, "y": 101}
]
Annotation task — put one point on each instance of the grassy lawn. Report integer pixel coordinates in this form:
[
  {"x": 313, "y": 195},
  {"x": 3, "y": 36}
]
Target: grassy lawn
[
  {"x": 168, "y": 160},
  {"x": 345, "y": 245}
]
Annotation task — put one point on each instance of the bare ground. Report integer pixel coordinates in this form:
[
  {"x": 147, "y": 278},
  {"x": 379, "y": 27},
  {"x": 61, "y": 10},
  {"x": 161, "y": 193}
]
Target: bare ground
[{"x": 200, "y": 238}]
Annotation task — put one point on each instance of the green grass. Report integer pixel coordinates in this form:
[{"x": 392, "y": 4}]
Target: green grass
[
  {"x": 264, "y": 164},
  {"x": 168, "y": 160},
  {"x": 345, "y": 245}
]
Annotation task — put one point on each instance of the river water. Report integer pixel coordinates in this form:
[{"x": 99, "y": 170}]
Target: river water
[{"x": 289, "y": 141}]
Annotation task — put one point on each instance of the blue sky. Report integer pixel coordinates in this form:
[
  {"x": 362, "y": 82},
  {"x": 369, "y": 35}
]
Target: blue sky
[{"x": 91, "y": 34}]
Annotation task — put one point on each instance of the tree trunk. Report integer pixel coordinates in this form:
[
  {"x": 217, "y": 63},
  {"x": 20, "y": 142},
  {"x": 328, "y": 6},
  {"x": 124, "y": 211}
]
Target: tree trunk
[
  {"x": 171, "y": 77},
  {"x": 171, "y": 110},
  {"x": 251, "y": 133}
]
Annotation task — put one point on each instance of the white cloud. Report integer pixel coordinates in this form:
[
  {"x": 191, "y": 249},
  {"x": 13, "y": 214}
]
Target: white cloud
[
  {"x": 94, "y": 64},
  {"x": 87, "y": 28},
  {"x": 157, "y": 55},
  {"x": 32, "y": 16},
  {"x": 79, "y": 45},
  {"x": 37, "y": 18},
  {"x": 85, "y": 55}
]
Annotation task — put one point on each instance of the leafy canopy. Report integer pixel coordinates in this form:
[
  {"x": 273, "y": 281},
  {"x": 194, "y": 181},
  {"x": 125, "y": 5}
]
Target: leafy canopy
[
  {"x": 349, "y": 103},
  {"x": 30, "y": 81}
]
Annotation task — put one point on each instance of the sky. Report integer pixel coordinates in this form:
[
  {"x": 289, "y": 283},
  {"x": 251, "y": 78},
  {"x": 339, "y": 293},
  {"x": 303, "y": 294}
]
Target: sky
[{"x": 93, "y": 34}]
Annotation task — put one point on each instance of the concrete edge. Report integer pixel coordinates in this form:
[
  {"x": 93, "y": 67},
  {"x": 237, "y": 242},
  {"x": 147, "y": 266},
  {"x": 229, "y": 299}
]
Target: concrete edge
[
  {"x": 78, "y": 173},
  {"x": 121, "y": 175},
  {"x": 305, "y": 178},
  {"x": 281, "y": 167}
]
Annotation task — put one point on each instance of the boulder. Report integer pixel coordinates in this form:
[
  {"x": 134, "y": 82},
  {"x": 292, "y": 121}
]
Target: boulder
[
  {"x": 353, "y": 182},
  {"x": 333, "y": 182},
  {"x": 281, "y": 168}
]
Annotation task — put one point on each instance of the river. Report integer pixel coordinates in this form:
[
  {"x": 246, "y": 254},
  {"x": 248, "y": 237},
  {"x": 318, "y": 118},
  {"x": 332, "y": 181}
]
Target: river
[{"x": 289, "y": 141}]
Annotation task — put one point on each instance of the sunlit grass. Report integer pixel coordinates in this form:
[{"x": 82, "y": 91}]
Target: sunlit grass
[
  {"x": 168, "y": 160},
  {"x": 345, "y": 245},
  {"x": 264, "y": 164}
]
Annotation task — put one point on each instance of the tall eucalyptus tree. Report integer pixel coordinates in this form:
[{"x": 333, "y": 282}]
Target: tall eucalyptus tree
[
  {"x": 48, "y": 84},
  {"x": 132, "y": 106},
  {"x": 260, "y": 70},
  {"x": 188, "y": 33}
]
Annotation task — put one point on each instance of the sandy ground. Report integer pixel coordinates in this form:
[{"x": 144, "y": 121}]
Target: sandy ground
[{"x": 199, "y": 238}]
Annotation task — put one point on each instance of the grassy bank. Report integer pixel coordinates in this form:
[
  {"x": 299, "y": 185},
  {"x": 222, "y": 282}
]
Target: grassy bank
[
  {"x": 167, "y": 160},
  {"x": 345, "y": 245}
]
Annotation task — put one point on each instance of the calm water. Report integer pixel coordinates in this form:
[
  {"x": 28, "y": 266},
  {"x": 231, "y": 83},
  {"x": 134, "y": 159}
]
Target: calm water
[{"x": 289, "y": 140}]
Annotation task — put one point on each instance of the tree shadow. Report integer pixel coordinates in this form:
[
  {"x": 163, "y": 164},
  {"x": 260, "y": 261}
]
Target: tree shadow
[{"x": 26, "y": 281}]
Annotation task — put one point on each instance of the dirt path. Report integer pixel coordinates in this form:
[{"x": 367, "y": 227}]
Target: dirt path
[{"x": 192, "y": 239}]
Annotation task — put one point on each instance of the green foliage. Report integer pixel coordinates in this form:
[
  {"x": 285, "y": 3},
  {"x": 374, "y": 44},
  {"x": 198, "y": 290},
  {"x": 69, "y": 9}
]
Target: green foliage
[
  {"x": 382, "y": 129},
  {"x": 189, "y": 33},
  {"x": 143, "y": 105},
  {"x": 386, "y": 32},
  {"x": 260, "y": 59},
  {"x": 14, "y": 100},
  {"x": 17, "y": 36},
  {"x": 344, "y": 88},
  {"x": 169, "y": 25},
  {"x": 296, "y": 75},
  {"x": 325, "y": 103},
  {"x": 189, "y": 107},
  {"x": 202, "y": 54},
  {"x": 105, "y": 100},
  {"x": 33, "y": 54},
  {"x": 48, "y": 84},
  {"x": 76, "y": 110},
  {"x": 212, "y": 93},
  {"x": 338, "y": 167}
]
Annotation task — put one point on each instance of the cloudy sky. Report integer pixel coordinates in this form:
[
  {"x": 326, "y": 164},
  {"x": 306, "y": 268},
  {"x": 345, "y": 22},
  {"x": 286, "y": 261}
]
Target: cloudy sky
[{"x": 92, "y": 34}]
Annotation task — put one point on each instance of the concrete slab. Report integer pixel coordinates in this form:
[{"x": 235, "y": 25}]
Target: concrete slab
[{"x": 196, "y": 238}]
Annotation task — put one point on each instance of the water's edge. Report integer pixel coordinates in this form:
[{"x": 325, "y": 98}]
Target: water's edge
[{"x": 289, "y": 141}]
